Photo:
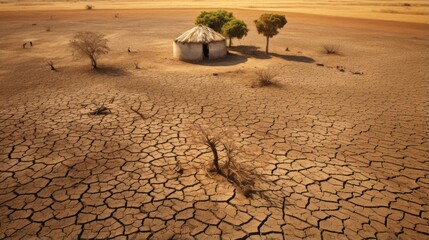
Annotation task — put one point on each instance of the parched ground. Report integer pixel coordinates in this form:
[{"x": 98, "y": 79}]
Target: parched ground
[{"x": 338, "y": 155}]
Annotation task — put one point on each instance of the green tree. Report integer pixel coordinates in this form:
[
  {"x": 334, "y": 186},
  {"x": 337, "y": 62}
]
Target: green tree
[
  {"x": 90, "y": 44},
  {"x": 269, "y": 25},
  {"x": 214, "y": 19},
  {"x": 235, "y": 29}
]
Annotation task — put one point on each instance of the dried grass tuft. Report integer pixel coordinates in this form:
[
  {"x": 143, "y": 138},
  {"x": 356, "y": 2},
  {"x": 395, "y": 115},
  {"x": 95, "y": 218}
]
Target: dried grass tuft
[
  {"x": 331, "y": 49},
  {"x": 265, "y": 77}
]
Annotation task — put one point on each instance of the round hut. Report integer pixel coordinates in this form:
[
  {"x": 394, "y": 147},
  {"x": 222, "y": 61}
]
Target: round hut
[{"x": 199, "y": 43}]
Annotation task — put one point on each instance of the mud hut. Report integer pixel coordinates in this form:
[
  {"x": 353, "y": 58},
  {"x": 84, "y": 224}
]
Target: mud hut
[{"x": 199, "y": 43}]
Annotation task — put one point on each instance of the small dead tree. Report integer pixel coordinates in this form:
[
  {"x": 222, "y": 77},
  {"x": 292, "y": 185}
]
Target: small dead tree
[
  {"x": 237, "y": 174},
  {"x": 212, "y": 141},
  {"x": 51, "y": 64},
  {"x": 91, "y": 45}
]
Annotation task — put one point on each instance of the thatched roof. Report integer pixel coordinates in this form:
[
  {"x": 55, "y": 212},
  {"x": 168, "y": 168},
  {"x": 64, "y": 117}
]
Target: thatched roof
[{"x": 200, "y": 34}]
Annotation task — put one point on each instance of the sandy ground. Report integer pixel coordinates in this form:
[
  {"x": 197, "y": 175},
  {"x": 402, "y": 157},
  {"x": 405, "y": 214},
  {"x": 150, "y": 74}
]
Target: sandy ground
[
  {"x": 396, "y": 10},
  {"x": 338, "y": 155}
]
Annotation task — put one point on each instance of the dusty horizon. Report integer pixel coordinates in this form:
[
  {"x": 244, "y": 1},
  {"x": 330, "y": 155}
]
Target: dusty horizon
[{"x": 396, "y": 10}]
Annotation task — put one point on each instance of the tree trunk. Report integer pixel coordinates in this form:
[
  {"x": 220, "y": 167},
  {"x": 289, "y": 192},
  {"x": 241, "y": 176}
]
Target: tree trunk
[
  {"x": 94, "y": 63},
  {"x": 215, "y": 158},
  {"x": 266, "y": 48},
  {"x": 230, "y": 41}
]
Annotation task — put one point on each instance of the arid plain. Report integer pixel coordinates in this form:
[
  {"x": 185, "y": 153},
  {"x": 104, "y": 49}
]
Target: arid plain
[{"x": 339, "y": 143}]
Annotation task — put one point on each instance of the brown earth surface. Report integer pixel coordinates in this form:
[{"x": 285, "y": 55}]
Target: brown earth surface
[{"x": 337, "y": 155}]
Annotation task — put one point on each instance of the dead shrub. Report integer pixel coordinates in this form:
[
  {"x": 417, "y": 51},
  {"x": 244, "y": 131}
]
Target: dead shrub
[
  {"x": 265, "y": 77},
  {"x": 89, "y": 7},
  {"x": 331, "y": 49},
  {"x": 51, "y": 64},
  {"x": 230, "y": 169},
  {"x": 102, "y": 110},
  {"x": 48, "y": 29}
]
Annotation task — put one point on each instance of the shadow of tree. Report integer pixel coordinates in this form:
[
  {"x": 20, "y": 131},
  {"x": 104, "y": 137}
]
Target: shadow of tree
[
  {"x": 229, "y": 60},
  {"x": 111, "y": 71},
  {"x": 294, "y": 58},
  {"x": 250, "y": 51},
  {"x": 254, "y": 52}
]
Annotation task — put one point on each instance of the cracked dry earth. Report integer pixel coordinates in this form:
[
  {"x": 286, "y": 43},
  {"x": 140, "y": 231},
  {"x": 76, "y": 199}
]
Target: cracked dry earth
[{"x": 339, "y": 156}]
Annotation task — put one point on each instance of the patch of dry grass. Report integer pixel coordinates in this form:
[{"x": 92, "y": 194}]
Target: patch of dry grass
[{"x": 265, "y": 77}]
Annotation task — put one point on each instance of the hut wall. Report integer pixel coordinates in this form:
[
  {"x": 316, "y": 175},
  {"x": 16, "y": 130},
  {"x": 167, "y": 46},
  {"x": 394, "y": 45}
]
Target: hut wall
[
  {"x": 217, "y": 49},
  {"x": 188, "y": 51}
]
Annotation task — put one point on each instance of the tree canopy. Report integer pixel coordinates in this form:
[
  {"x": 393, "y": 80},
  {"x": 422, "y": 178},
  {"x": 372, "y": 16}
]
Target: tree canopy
[
  {"x": 269, "y": 25},
  {"x": 214, "y": 19},
  {"x": 235, "y": 29}
]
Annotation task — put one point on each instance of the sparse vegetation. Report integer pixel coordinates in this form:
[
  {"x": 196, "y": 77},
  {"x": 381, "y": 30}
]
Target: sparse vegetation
[
  {"x": 269, "y": 25},
  {"x": 331, "y": 49},
  {"x": 265, "y": 77},
  {"x": 235, "y": 29},
  {"x": 48, "y": 29},
  {"x": 136, "y": 64},
  {"x": 89, "y": 7},
  {"x": 91, "y": 45}
]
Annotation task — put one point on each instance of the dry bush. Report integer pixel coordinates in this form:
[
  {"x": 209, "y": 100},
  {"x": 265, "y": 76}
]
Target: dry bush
[
  {"x": 331, "y": 48},
  {"x": 48, "y": 29},
  {"x": 265, "y": 77},
  {"x": 89, "y": 7},
  {"x": 235, "y": 173}
]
